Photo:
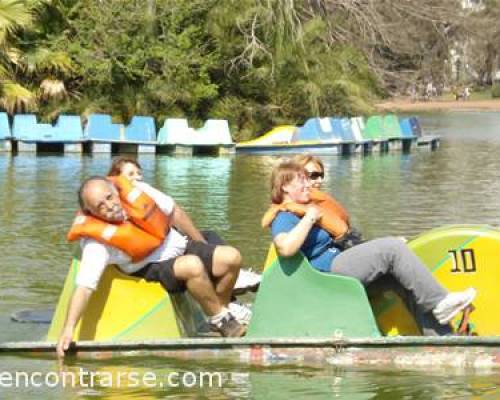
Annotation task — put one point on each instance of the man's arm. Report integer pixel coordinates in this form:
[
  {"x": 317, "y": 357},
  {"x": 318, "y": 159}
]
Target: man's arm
[
  {"x": 182, "y": 221},
  {"x": 77, "y": 306},
  {"x": 95, "y": 257}
]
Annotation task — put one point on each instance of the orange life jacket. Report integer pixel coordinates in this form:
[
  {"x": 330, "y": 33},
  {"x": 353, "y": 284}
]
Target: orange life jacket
[
  {"x": 334, "y": 219},
  {"x": 138, "y": 236}
]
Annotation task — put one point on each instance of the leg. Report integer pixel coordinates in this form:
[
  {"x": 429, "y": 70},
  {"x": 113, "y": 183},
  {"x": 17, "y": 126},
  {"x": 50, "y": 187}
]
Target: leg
[
  {"x": 195, "y": 271},
  {"x": 222, "y": 264},
  {"x": 389, "y": 256},
  {"x": 190, "y": 269},
  {"x": 427, "y": 322},
  {"x": 184, "y": 272},
  {"x": 226, "y": 267},
  {"x": 190, "y": 272}
]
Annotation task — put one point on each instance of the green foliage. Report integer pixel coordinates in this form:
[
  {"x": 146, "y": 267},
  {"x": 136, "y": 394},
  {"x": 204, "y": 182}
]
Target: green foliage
[
  {"x": 281, "y": 68},
  {"x": 140, "y": 64},
  {"x": 495, "y": 91},
  {"x": 13, "y": 14},
  {"x": 15, "y": 97},
  {"x": 257, "y": 63}
]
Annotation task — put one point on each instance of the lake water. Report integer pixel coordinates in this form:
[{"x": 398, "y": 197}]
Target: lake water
[{"x": 391, "y": 194}]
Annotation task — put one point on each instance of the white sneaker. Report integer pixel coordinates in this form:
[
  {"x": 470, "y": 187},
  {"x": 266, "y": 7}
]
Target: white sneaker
[
  {"x": 247, "y": 280},
  {"x": 452, "y": 304},
  {"x": 242, "y": 313}
]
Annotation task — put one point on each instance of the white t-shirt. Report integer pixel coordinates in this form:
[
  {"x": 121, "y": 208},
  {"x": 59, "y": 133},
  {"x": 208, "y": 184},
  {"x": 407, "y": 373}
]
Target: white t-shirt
[{"x": 96, "y": 256}]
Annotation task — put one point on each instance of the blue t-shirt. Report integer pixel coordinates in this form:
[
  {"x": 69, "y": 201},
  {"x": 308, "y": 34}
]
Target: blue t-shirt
[{"x": 317, "y": 248}]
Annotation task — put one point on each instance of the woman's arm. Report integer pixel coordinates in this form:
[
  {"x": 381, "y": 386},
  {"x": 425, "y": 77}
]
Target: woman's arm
[
  {"x": 289, "y": 243},
  {"x": 183, "y": 222}
]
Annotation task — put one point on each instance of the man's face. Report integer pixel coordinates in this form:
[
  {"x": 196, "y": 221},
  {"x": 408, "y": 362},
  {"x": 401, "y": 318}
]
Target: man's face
[{"x": 102, "y": 201}]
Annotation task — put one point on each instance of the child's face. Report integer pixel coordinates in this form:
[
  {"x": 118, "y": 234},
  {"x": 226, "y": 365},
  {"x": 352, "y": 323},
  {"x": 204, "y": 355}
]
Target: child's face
[{"x": 131, "y": 172}]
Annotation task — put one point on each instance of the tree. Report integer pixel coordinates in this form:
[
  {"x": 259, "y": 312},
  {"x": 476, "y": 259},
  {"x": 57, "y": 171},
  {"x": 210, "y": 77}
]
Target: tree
[
  {"x": 123, "y": 68},
  {"x": 483, "y": 39},
  {"x": 14, "y": 15},
  {"x": 404, "y": 41},
  {"x": 281, "y": 67},
  {"x": 29, "y": 71},
  {"x": 257, "y": 63}
]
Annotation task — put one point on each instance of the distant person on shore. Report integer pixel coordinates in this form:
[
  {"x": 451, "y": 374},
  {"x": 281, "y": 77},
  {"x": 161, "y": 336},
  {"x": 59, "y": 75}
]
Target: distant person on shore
[
  {"x": 466, "y": 93},
  {"x": 429, "y": 91},
  {"x": 413, "y": 93},
  {"x": 301, "y": 224},
  {"x": 463, "y": 94}
]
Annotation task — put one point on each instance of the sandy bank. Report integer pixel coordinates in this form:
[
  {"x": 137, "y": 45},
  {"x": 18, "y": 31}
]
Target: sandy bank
[{"x": 405, "y": 105}]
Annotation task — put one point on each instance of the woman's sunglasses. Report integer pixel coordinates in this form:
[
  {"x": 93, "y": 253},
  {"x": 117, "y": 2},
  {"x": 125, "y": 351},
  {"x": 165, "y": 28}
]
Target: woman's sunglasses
[{"x": 315, "y": 175}]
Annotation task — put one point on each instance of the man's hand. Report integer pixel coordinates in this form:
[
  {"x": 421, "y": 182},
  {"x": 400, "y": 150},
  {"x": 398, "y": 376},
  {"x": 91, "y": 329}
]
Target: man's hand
[
  {"x": 64, "y": 341},
  {"x": 77, "y": 306}
]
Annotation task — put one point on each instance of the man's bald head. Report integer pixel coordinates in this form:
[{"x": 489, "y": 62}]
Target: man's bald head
[
  {"x": 98, "y": 196},
  {"x": 85, "y": 184}
]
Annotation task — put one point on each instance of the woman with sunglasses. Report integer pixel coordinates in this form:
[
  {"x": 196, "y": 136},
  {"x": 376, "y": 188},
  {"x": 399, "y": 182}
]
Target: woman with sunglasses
[
  {"x": 366, "y": 262},
  {"x": 315, "y": 170}
]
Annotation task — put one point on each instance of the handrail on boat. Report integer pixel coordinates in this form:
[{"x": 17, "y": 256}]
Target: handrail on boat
[{"x": 225, "y": 343}]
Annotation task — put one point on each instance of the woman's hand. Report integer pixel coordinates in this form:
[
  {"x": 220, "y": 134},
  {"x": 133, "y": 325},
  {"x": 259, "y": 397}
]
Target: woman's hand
[
  {"x": 288, "y": 244},
  {"x": 313, "y": 214}
]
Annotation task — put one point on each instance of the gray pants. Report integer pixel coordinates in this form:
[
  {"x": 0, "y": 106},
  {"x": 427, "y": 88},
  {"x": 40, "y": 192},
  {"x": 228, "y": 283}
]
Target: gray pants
[{"x": 391, "y": 257}]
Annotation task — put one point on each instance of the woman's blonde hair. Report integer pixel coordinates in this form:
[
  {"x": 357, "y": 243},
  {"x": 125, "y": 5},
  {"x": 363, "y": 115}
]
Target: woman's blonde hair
[
  {"x": 283, "y": 173},
  {"x": 304, "y": 159},
  {"x": 119, "y": 162}
]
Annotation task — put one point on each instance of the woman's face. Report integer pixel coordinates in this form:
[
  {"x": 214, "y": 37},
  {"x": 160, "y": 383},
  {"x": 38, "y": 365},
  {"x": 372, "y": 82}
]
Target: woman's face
[
  {"x": 298, "y": 190},
  {"x": 315, "y": 174},
  {"x": 131, "y": 172}
]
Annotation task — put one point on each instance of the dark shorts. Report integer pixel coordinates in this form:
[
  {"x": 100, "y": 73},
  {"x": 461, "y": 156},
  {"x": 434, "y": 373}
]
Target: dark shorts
[{"x": 163, "y": 271}]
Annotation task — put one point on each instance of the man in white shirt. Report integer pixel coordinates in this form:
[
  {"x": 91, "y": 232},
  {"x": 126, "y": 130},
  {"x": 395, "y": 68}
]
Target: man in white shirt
[{"x": 207, "y": 271}]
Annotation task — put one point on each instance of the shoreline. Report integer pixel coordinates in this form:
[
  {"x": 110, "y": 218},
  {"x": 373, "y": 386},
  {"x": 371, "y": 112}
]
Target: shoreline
[{"x": 405, "y": 105}]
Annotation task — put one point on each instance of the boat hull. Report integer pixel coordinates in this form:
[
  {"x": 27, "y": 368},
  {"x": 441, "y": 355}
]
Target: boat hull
[
  {"x": 399, "y": 352},
  {"x": 293, "y": 148}
]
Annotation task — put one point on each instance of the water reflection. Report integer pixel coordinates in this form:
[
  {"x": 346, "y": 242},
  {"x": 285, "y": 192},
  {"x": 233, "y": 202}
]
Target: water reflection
[
  {"x": 200, "y": 185},
  {"x": 154, "y": 378}
]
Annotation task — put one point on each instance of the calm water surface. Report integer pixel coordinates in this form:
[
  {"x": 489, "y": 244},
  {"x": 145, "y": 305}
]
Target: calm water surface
[{"x": 392, "y": 194}]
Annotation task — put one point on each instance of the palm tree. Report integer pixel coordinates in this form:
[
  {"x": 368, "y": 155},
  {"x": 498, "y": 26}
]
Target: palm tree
[
  {"x": 30, "y": 72},
  {"x": 14, "y": 16}
]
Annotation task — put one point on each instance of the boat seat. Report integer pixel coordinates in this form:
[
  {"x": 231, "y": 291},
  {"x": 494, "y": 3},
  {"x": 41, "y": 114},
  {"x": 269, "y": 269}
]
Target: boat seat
[
  {"x": 4, "y": 126},
  {"x": 100, "y": 127},
  {"x": 295, "y": 300},
  {"x": 125, "y": 307}
]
